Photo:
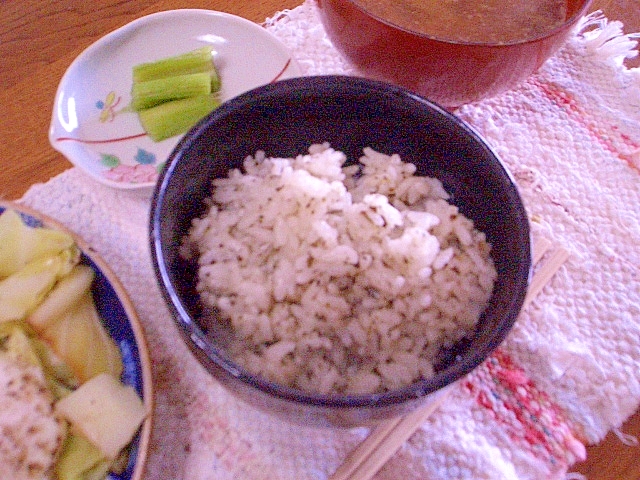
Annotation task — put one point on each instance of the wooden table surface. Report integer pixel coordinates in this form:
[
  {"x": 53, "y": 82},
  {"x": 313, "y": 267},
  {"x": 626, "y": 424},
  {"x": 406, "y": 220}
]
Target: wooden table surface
[{"x": 40, "y": 38}]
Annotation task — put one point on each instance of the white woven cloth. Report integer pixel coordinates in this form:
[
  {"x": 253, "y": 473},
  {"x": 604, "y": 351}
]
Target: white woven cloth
[{"x": 567, "y": 374}]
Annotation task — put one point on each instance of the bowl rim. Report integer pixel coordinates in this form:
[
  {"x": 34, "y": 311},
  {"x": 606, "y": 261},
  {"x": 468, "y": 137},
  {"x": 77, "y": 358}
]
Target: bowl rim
[
  {"x": 196, "y": 338},
  {"x": 558, "y": 29},
  {"x": 148, "y": 394}
]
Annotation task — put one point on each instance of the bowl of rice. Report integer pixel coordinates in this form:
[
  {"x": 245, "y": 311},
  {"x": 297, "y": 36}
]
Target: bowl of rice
[{"x": 337, "y": 250}]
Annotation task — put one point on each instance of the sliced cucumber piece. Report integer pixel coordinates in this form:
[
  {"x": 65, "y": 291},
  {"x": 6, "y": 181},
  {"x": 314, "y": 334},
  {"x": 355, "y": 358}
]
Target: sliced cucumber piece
[{"x": 176, "y": 117}]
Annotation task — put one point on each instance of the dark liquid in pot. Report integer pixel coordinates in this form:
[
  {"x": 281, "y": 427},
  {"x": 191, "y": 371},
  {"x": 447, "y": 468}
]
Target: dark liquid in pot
[{"x": 477, "y": 21}]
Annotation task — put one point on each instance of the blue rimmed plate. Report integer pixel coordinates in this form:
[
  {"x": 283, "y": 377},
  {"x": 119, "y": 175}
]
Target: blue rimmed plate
[
  {"x": 121, "y": 321},
  {"x": 90, "y": 122}
]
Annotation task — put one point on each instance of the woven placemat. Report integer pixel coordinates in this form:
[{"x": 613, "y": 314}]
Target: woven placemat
[{"x": 568, "y": 373}]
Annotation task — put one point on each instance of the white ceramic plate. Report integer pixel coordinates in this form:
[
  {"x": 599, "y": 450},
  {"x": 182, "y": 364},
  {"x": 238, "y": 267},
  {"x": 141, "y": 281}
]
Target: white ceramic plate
[
  {"x": 119, "y": 317},
  {"x": 91, "y": 125}
]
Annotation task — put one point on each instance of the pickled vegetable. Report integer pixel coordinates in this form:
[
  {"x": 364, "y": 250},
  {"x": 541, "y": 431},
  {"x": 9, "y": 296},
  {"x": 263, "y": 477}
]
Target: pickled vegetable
[
  {"x": 21, "y": 244},
  {"x": 154, "y": 92},
  {"x": 104, "y": 411},
  {"x": 79, "y": 456},
  {"x": 172, "y": 118},
  {"x": 22, "y": 291},
  {"x": 195, "y": 61},
  {"x": 173, "y": 94},
  {"x": 62, "y": 297},
  {"x": 81, "y": 341}
]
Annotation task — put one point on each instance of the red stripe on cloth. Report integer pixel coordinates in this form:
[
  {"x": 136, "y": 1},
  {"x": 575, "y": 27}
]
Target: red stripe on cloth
[{"x": 527, "y": 414}]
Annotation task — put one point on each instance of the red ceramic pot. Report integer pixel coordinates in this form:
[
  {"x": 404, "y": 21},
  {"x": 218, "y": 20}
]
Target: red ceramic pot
[{"x": 446, "y": 72}]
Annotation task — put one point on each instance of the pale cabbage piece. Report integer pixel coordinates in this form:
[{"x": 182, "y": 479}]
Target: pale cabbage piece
[
  {"x": 21, "y": 244},
  {"x": 17, "y": 347},
  {"x": 81, "y": 341},
  {"x": 22, "y": 292},
  {"x": 79, "y": 457},
  {"x": 62, "y": 297},
  {"x": 104, "y": 411}
]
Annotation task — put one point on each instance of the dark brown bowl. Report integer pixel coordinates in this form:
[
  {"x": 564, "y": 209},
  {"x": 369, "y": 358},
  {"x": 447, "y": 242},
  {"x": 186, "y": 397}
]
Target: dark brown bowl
[
  {"x": 284, "y": 119},
  {"x": 449, "y": 73}
]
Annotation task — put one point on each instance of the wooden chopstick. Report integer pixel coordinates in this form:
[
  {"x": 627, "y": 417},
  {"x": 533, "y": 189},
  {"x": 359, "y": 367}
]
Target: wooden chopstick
[
  {"x": 365, "y": 449},
  {"x": 388, "y": 436},
  {"x": 540, "y": 246},
  {"x": 383, "y": 442},
  {"x": 543, "y": 275}
]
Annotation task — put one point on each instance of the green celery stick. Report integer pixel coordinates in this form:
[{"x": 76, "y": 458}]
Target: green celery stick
[
  {"x": 195, "y": 61},
  {"x": 176, "y": 117},
  {"x": 153, "y": 92},
  {"x": 216, "y": 83}
]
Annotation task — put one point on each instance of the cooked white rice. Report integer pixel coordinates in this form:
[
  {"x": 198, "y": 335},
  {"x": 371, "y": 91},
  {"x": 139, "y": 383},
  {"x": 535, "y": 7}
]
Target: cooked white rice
[{"x": 339, "y": 279}]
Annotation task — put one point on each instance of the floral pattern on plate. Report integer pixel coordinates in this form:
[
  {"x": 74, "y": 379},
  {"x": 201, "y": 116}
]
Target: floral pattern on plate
[{"x": 92, "y": 124}]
